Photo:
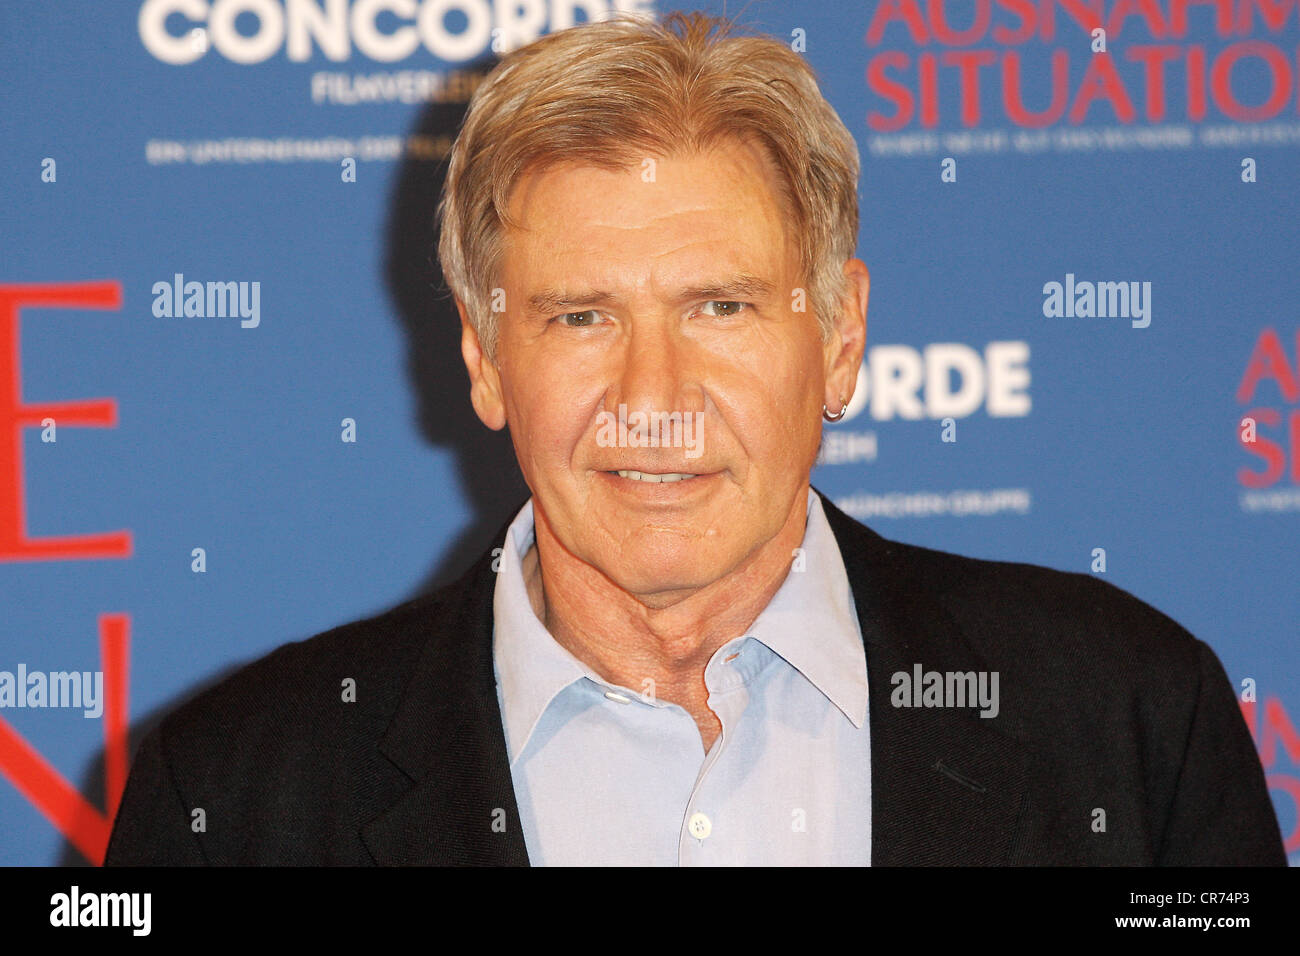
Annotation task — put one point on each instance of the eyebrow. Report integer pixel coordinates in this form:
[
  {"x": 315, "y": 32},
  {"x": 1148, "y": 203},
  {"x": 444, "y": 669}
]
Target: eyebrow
[{"x": 741, "y": 286}]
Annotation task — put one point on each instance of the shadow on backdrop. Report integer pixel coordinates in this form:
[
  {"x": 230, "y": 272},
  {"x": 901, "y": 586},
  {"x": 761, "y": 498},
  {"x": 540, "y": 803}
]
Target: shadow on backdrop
[{"x": 489, "y": 476}]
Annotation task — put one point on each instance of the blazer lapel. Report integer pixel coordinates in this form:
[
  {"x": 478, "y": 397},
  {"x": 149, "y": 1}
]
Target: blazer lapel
[
  {"x": 947, "y": 786},
  {"x": 447, "y": 737}
]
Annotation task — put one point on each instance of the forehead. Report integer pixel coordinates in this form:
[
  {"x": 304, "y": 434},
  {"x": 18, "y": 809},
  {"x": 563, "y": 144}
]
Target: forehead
[{"x": 662, "y": 219}]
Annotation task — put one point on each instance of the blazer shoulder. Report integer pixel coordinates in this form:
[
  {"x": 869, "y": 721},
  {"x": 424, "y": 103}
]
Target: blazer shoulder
[
  {"x": 285, "y": 755},
  {"x": 366, "y": 664},
  {"x": 1026, "y": 618},
  {"x": 357, "y": 669},
  {"x": 1017, "y": 607}
]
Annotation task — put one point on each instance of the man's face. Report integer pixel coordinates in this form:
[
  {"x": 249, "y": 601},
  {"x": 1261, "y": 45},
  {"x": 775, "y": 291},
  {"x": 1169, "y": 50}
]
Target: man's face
[{"x": 672, "y": 287}]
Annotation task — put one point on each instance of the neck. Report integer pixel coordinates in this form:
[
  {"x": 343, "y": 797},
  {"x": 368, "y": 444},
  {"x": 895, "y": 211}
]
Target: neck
[{"x": 633, "y": 640}]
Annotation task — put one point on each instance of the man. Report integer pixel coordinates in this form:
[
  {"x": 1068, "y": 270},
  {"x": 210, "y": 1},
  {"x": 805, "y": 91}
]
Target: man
[{"x": 677, "y": 652}]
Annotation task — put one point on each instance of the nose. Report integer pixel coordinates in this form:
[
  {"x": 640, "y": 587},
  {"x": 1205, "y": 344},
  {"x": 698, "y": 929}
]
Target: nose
[{"x": 657, "y": 370}]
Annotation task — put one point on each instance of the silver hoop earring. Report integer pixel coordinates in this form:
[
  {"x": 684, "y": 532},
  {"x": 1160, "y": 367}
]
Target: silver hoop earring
[{"x": 826, "y": 412}]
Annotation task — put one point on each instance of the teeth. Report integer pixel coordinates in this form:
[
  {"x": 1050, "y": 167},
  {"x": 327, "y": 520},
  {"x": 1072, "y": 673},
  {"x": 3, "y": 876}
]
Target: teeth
[{"x": 646, "y": 476}]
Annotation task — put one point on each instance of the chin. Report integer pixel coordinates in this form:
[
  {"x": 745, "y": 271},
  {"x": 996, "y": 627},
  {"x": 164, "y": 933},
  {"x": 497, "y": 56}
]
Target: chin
[{"x": 665, "y": 571}]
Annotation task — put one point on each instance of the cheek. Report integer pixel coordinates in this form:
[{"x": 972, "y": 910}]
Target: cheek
[
  {"x": 549, "y": 414},
  {"x": 781, "y": 383},
  {"x": 791, "y": 426}
]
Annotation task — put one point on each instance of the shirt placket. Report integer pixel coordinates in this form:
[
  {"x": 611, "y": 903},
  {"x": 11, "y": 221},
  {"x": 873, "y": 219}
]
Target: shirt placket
[{"x": 703, "y": 840}]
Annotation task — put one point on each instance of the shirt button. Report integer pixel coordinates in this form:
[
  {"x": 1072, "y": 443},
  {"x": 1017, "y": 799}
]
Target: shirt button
[
  {"x": 617, "y": 697},
  {"x": 699, "y": 826}
]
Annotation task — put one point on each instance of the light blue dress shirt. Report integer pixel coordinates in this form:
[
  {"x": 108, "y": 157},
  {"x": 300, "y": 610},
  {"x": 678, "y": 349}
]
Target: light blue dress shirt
[{"x": 609, "y": 775}]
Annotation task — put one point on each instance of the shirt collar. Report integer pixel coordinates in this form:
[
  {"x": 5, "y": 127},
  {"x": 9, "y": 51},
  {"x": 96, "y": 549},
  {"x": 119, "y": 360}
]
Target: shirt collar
[
  {"x": 531, "y": 666},
  {"x": 811, "y": 623}
]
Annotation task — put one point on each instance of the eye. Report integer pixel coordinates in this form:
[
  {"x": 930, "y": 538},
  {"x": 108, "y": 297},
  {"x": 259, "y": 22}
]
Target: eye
[
  {"x": 723, "y": 308},
  {"x": 578, "y": 320}
]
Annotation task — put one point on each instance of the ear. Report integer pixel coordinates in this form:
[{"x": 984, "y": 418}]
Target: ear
[
  {"x": 848, "y": 340},
  {"x": 484, "y": 379}
]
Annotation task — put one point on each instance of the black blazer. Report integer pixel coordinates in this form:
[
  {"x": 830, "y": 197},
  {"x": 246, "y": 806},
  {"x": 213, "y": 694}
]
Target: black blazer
[{"x": 1105, "y": 704}]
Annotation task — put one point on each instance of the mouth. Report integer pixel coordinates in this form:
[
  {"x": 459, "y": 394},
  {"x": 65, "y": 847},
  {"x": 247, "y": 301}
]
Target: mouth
[{"x": 652, "y": 477}]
